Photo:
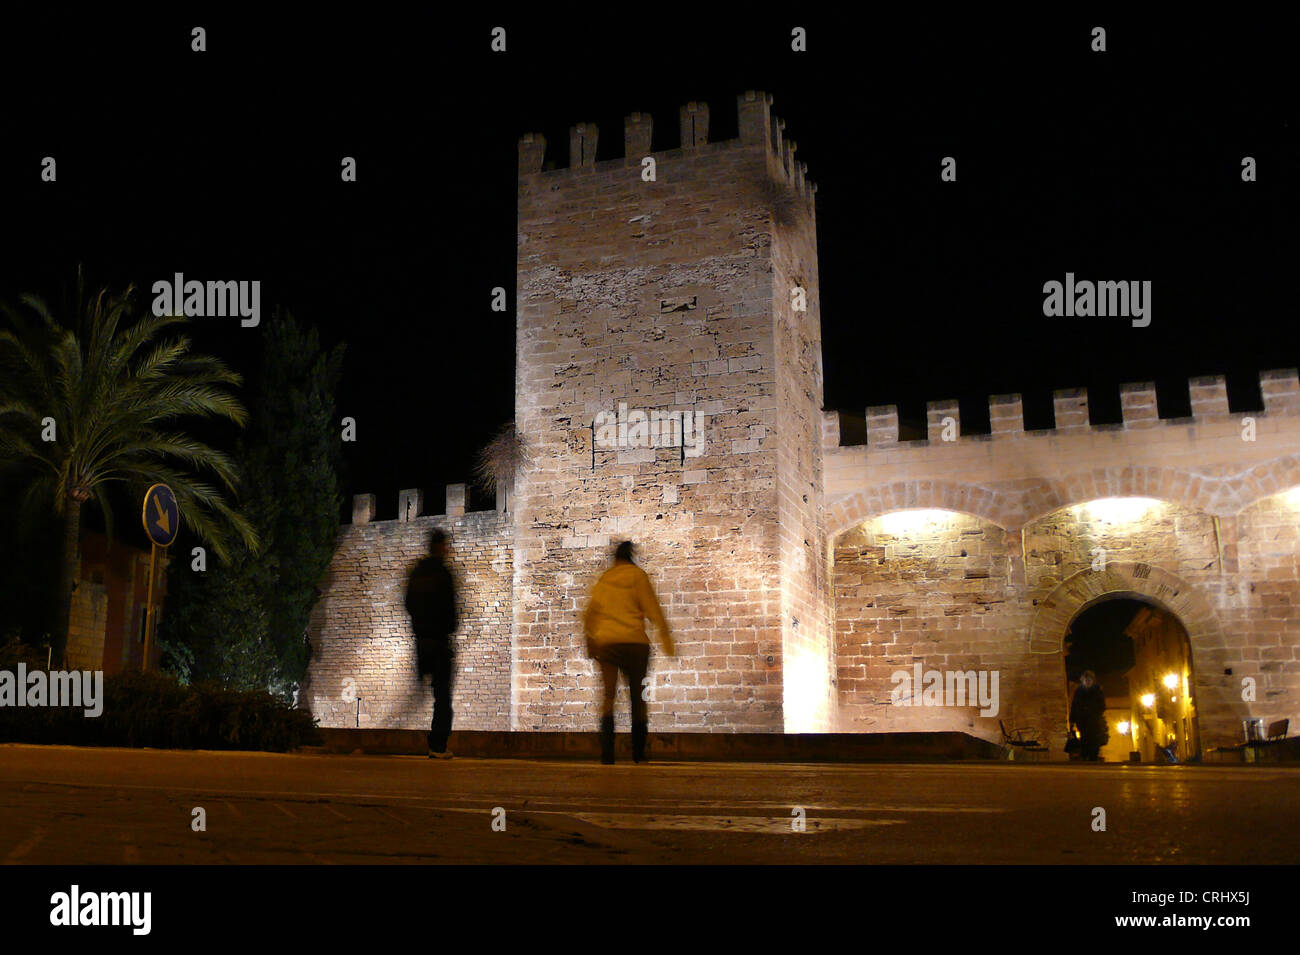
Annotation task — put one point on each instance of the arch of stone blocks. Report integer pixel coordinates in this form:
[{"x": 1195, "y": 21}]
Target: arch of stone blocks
[
  {"x": 1205, "y": 634},
  {"x": 848, "y": 512},
  {"x": 1014, "y": 504},
  {"x": 1165, "y": 589}
]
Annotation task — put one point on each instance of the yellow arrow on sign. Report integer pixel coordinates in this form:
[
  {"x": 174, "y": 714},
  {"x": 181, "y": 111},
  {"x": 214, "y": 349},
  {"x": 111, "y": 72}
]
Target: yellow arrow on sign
[{"x": 163, "y": 520}]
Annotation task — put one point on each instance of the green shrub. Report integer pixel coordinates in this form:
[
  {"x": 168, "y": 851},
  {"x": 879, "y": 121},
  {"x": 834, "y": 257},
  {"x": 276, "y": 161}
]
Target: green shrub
[{"x": 156, "y": 710}]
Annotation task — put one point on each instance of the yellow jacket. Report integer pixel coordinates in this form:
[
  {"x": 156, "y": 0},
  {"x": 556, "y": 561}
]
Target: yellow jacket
[{"x": 620, "y": 602}]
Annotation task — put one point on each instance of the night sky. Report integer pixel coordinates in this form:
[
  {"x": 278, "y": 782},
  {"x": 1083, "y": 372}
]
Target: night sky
[{"x": 1122, "y": 165}]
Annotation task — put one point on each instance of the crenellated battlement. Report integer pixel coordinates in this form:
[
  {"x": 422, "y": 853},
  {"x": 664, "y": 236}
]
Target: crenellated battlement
[
  {"x": 1209, "y": 402},
  {"x": 410, "y": 505},
  {"x": 757, "y": 127},
  {"x": 971, "y": 546},
  {"x": 1215, "y": 460}
]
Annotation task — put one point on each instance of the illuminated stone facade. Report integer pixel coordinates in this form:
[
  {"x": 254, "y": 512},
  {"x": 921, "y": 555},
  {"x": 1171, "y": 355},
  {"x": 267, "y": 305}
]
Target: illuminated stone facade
[
  {"x": 792, "y": 568},
  {"x": 1024, "y": 535},
  {"x": 687, "y": 283}
]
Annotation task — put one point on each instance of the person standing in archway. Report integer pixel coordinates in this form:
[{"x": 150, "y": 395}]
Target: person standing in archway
[
  {"x": 614, "y": 625},
  {"x": 1088, "y": 716}
]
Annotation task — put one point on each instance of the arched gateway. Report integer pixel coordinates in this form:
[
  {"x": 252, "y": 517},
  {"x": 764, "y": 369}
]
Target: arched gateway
[
  {"x": 1053, "y": 613},
  {"x": 1197, "y": 515},
  {"x": 1180, "y": 600}
]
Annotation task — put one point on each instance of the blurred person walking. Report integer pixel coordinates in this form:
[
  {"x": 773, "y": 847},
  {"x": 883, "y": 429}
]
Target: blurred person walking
[
  {"x": 614, "y": 626},
  {"x": 431, "y": 602}
]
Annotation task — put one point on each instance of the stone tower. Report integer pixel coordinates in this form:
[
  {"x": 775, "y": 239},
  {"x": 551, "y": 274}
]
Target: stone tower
[{"x": 676, "y": 284}]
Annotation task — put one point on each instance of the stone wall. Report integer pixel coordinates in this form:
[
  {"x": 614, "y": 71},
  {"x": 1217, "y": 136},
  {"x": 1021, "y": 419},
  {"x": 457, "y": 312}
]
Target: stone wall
[
  {"x": 109, "y": 604},
  {"x": 791, "y": 568},
  {"x": 1261, "y": 611},
  {"x": 362, "y": 645},
  {"x": 806, "y": 604},
  {"x": 661, "y": 294},
  {"x": 1026, "y": 533},
  {"x": 933, "y": 590},
  {"x": 86, "y": 626}
]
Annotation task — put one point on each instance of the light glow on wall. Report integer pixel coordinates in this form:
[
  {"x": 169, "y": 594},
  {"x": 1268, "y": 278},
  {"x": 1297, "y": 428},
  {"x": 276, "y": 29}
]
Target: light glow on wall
[
  {"x": 1292, "y": 498},
  {"x": 806, "y": 685},
  {"x": 1120, "y": 510},
  {"x": 902, "y": 523}
]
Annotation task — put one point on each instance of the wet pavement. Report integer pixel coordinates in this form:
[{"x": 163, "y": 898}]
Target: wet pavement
[{"x": 66, "y": 806}]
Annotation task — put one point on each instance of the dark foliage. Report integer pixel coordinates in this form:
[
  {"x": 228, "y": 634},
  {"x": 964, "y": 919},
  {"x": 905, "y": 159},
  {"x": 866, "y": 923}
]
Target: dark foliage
[
  {"x": 157, "y": 711},
  {"x": 242, "y": 623}
]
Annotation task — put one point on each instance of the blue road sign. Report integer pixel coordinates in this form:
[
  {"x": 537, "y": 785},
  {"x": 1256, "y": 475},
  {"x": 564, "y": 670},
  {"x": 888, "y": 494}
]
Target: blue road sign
[{"x": 162, "y": 518}]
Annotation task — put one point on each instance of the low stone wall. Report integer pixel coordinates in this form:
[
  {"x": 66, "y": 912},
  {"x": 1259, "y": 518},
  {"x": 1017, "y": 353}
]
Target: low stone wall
[{"x": 362, "y": 645}]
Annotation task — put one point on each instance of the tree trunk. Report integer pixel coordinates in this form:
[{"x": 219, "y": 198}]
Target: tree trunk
[{"x": 67, "y": 582}]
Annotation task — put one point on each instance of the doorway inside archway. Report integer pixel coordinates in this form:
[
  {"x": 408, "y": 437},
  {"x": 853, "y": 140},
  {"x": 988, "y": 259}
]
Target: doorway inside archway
[{"x": 1141, "y": 657}]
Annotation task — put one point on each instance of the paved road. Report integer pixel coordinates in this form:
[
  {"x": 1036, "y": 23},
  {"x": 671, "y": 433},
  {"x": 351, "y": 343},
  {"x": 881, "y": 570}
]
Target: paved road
[{"x": 65, "y": 805}]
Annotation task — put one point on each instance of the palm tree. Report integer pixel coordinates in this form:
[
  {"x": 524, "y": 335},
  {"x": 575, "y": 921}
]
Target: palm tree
[{"x": 94, "y": 403}]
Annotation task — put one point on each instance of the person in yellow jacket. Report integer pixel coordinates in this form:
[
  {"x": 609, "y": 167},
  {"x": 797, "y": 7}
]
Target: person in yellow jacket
[{"x": 614, "y": 625}]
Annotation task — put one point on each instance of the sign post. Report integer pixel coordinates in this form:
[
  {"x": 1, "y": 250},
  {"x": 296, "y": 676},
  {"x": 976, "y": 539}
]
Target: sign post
[{"x": 162, "y": 521}]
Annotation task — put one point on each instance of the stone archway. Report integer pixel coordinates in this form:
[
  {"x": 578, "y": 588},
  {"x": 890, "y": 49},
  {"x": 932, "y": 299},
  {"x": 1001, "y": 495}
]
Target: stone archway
[
  {"x": 1067, "y": 599},
  {"x": 847, "y": 512},
  {"x": 1168, "y": 592}
]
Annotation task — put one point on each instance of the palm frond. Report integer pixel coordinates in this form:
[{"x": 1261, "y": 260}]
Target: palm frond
[{"x": 119, "y": 392}]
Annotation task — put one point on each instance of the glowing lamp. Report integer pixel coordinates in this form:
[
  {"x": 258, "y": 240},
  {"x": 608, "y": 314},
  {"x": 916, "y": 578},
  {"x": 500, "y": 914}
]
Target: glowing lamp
[{"x": 1148, "y": 700}]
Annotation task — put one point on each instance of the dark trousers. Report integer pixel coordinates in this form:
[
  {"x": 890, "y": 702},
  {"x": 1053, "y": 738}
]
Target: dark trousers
[
  {"x": 632, "y": 659},
  {"x": 1091, "y": 740},
  {"x": 438, "y": 659}
]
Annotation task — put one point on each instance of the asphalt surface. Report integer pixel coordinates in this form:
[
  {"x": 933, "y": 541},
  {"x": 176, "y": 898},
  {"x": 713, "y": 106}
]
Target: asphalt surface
[{"x": 72, "y": 806}]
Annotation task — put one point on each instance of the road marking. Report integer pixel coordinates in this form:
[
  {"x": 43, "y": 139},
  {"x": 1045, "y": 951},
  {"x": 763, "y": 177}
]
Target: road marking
[
  {"x": 779, "y": 825},
  {"x": 486, "y": 804},
  {"x": 393, "y": 816},
  {"x": 682, "y": 821},
  {"x": 650, "y": 803},
  {"x": 336, "y": 812},
  {"x": 27, "y": 845},
  {"x": 285, "y": 811}
]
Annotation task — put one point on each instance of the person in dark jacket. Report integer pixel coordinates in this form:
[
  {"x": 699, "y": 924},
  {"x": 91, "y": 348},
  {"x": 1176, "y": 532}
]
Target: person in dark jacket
[
  {"x": 1088, "y": 715},
  {"x": 431, "y": 602}
]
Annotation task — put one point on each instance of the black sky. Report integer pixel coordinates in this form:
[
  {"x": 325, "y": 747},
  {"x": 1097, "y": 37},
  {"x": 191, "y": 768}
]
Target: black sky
[{"x": 1122, "y": 165}]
